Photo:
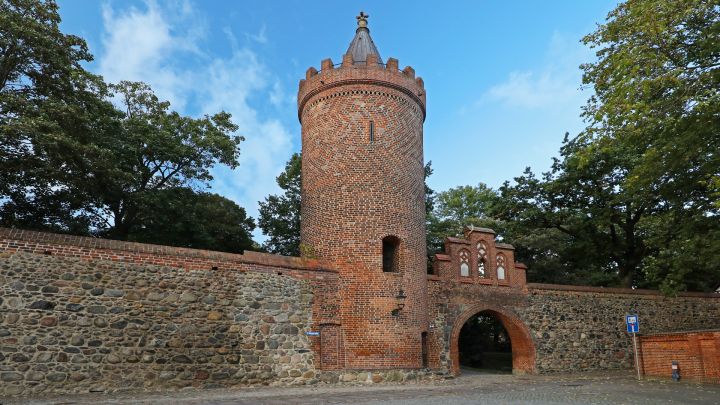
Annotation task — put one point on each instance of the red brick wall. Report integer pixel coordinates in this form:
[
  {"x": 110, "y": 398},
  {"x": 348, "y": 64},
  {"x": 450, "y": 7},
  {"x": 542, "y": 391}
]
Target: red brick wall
[
  {"x": 479, "y": 245},
  {"x": 697, "y": 354},
  {"x": 356, "y": 191}
]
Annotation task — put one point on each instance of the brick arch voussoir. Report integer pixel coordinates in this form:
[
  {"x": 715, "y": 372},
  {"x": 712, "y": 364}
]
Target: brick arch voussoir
[{"x": 523, "y": 348}]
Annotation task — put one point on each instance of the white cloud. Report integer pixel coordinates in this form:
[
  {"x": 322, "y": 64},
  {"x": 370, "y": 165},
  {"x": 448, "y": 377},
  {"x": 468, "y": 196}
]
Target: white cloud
[
  {"x": 554, "y": 84},
  {"x": 516, "y": 122},
  {"x": 232, "y": 39},
  {"x": 260, "y": 37},
  {"x": 141, "y": 45},
  {"x": 530, "y": 89},
  {"x": 279, "y": 98},
  {"x": 161, "y": 45},
  {"x": 229, "y": 84}
]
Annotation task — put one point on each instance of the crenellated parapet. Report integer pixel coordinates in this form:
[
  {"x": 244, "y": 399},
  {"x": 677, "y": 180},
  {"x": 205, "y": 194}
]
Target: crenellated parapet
[
  {"x": 479, "y": 259},
  {"x": 402, "y": 83}
]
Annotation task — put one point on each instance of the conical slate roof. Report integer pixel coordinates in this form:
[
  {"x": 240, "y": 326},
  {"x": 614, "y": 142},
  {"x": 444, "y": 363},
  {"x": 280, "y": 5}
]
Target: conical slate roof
[{"x": 362, "y": 45}]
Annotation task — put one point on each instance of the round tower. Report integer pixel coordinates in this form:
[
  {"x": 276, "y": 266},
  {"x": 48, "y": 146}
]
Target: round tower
[{"x": 363, "y": 200}]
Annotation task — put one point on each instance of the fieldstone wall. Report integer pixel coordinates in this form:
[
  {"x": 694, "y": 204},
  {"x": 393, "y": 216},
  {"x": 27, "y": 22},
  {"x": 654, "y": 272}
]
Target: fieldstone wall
[
  {"x": 78, "y": 324},
  {"x": 557, "y": 328},
  {"x": 585, "y": 329},
  {"x": 81, "y": 314}
]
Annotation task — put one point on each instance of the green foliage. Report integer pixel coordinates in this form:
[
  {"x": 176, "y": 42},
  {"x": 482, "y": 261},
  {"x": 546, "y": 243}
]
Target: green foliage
[
  {"x": 100, "y": 166},
  {"x": 46, "y": 99},
  {"x": 456, "y": 208},
  {"x": 154, "y": 149},
  {"x": 36, "y": 59},
  {"x": 182, "y": 217},
  {"x": 280, "y": 214},
  {"x": 73, "y": 161},
  {"x": 429, "y": 193},
  {"x": 633, "y": 199},
  {"x": 575, "y": 225},
  {"x": 657, "y": 105}
]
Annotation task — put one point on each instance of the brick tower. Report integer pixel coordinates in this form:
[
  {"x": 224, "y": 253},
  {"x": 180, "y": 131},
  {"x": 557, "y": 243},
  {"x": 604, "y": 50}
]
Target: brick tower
[{"x": 363, "y": 202}]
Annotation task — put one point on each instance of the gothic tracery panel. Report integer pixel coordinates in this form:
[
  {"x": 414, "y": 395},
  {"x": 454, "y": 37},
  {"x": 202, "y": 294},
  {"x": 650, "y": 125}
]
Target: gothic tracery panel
[
  {"x": 500, "y": 266},
  {"x": 482, "y": 259},
  {"x": 464, "y": 263}
]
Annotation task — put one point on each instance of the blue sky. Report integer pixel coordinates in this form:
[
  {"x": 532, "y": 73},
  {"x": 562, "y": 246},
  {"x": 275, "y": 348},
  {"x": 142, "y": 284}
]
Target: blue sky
[{"x": 502, "y": 78}]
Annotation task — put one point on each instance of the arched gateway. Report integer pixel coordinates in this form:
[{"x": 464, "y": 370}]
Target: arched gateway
[
  {"x": 523, "y": 349},
  {"x": 476, "y": 275}
]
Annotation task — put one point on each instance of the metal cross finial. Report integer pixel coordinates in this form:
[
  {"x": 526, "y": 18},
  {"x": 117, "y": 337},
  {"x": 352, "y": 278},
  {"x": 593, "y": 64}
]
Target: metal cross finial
[{"x": 362, "y": 19}]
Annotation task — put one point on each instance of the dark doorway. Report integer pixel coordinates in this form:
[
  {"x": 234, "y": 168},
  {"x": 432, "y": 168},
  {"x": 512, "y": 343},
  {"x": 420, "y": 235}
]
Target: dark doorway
[
  {"x": 485, "y": 345},
  {"x": 423, "y": 337}
]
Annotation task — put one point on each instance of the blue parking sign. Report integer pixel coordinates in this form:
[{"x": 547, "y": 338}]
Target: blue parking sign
[{"x": 633, "y": 323}]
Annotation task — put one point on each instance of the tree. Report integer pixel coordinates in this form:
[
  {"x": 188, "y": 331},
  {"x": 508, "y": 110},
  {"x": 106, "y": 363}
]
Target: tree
[
  {"x": 456, "y": 208},
  {"x": 657, "y": 85},
  {"x": 280, "y": 214},
  {"x": 102, "y": 165},
  {"x": 183, "y": 217},
  {"x": 45, "y": 94},
  {"x": 635, "y": 193},
  {"x": 429, "y": 193},
  {"x": 155, "y": 149},
  {"x": 576, "y": 224},
  {"x": 36, "y": 59},
  {"x": 74, "y": 162}
]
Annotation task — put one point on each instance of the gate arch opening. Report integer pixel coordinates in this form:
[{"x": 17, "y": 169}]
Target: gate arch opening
[
  {"x": 484, "y": 344},
  {"x": 523, "y": 349}
]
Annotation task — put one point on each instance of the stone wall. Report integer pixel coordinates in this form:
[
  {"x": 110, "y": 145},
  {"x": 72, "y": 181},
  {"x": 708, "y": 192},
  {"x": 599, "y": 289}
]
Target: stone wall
[
  {"x": 75, "y": 318},
  {"x": 556, "y": 328},
  {"x": 82, "y": 314},
  {"x": 584, "y": 328}
]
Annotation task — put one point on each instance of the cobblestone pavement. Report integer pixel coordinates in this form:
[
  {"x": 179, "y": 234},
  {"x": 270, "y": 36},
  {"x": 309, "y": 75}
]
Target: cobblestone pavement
[{"x": 471, "y": 388}]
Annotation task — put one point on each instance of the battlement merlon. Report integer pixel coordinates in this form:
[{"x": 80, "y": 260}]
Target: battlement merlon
[{"x": 369, "y": 73}]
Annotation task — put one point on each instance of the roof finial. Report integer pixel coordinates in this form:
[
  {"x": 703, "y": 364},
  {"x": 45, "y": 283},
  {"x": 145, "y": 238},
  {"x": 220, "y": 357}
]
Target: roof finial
[{"x": 362, "y": 20}]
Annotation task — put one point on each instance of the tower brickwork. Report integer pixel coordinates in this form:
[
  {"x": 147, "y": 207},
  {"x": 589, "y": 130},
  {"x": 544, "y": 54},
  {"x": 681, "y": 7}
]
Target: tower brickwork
[{"x": 363, "y": 201}]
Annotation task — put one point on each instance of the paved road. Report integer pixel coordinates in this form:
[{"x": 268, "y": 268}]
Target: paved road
[{"x": 468, "y": 389}]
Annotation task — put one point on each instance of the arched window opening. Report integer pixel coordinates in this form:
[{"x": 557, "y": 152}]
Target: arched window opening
[
  {"x": 391, "y": 254},
  {"x": 464, "y": 263},
  {"x": 482, "y": 257},
  {"x": 501, "y": 267}
]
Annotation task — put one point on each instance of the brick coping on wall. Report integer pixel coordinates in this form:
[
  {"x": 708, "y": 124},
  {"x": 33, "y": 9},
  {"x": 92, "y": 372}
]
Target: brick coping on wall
[
  {"x": 264, "y": 259},
  {"x": 685, "y": 332},
  {"x": 612, "y": 290}
]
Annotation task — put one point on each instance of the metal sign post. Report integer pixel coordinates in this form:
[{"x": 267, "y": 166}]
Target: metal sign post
[{"x": 633, "y": 326}]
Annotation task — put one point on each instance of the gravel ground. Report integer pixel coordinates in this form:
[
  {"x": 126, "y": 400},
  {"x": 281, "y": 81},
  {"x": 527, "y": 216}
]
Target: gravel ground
[{"x": 470, "y": 388}]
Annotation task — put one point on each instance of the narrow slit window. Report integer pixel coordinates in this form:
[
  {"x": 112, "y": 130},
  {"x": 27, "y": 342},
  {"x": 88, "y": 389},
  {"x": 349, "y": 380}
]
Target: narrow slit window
[
  {"x": 372, "y": 132},
  {"x": 424, "y": 340}
]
